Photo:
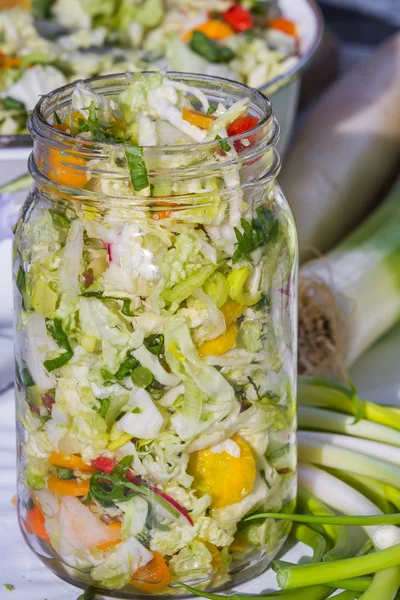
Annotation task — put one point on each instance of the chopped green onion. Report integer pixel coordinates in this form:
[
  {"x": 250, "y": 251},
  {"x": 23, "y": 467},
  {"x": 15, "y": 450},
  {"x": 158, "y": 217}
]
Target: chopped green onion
[
  {"x": 58, "y": 334},
  {"x": 104, "y": 406},
  {"x": 137, "y": 167},
  {"x": 141, "y": 377},
  {"x": 188, "y": 286},
  {"x": 224, "y": 144},
  {"x": 126, "y": 302}
]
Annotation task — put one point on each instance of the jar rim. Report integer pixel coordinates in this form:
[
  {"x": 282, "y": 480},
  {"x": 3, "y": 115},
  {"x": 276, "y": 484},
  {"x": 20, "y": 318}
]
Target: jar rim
[{"x": 39, "y": 125}]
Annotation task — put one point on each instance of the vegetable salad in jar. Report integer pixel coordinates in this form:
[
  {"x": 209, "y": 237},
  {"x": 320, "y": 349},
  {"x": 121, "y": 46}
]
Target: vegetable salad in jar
[{"x": 155, "y": 272}]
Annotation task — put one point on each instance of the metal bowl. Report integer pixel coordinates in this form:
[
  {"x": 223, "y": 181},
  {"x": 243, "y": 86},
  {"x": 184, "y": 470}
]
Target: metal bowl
[{"x": 283, "y": 91}]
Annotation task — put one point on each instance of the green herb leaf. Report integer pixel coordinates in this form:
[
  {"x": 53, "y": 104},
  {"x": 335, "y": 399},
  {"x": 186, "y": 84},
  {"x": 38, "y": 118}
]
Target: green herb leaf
[
  {"x": 9, "y": 587},
  {"x": 211, "y": 110},
  {"x": 59, "y": 220},
  {"x": 12, "y": 104},
  {"x": 124, "y": 464},
  {"x": 137, "y": 167},
  {"x": 126, "y": 302},
  {"x": 41, "y": 9},
  {"x": 225, "y": 146},
  {"x": 278, "y": 453},
  {"x": 206, "y": 47},
  {"x": 262, "y": 230},
  {"x": 24, "y": 377},
  {"x": 58, "y": 334},
  {"x": 87, "y": 595},
  {"x": 126, "y": 367},
  {"x": 64, "y": 473},
  {"x": 56, "y": 118},
  {"x": 21, "y": 281},
  {"x": 265, "y": 302}
]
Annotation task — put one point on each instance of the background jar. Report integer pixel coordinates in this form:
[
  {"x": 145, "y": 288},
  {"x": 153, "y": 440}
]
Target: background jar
[{"x": 87, "y": 249}]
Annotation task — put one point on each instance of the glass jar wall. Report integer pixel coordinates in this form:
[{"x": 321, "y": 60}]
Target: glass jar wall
[{"x": 155, "y": 336}]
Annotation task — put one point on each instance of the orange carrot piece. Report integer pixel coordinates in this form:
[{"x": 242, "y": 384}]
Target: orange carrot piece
[
  {"x": 284, "y": 25},
  {"x": 35, "y": 523},
  {"x": 198, "y": 118},
  {"x": 153, "y": 576}
]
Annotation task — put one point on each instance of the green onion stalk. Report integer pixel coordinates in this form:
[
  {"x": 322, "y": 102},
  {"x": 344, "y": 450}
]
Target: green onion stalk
[
  {"x": 342, "y": 545},
  {"x": 339, "y": 293},
  {"x": 327, "y": 420}
]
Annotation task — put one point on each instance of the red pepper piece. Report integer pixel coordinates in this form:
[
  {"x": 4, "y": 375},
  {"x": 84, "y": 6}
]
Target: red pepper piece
[
  {"x": 241, "y": 125},
  {"x": 238, "y": 18},
  {"x": 104, "y": 464}
]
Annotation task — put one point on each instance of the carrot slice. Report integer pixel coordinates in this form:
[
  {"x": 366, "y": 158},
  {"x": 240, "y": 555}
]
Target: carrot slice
[
  {"x": 35, "y": 523},
  {"x": 198, "y": 118},
  {"x": 284, "y": 25},
  {"x": 163, "y": 214},
  {"x": 62, "y": 169},
  {"x": 117, "y": 528},
  {"x": 69, "y": 461},
  {"x": 7, "y": 62},
  {"x": 67, "y": 487},
  {"x": 153, "y": 576}
]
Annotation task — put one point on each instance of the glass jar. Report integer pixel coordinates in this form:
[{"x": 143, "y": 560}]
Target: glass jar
[{"x": 155, "y": 343}]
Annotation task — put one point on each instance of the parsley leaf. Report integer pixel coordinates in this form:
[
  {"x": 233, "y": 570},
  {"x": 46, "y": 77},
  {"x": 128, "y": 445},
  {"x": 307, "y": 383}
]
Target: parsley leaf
[
  {"x": 93, "y": 125},
  {"x": 262, "y": 230}
]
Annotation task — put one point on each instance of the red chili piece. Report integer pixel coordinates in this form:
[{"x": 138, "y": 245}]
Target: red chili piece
[{"x": 238, "y": 17}]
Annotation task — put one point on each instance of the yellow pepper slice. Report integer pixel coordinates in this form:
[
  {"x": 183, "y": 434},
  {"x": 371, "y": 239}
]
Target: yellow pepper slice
[
  {"x": 221, "y": 344},
  {"x": 214, "y": 29},
  {"x": 228, "y": 479},
  {"x": 232, "y": 310},
  {"x": 67, "y": 487},
  {"x": 69, "y": 461},
  {"x": 197, "y": 118}
]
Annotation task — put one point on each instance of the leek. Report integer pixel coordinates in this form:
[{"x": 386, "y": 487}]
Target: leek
[
  {"x": 308, "y": 593},
  {"x": 351, "y": 297},
  {"x": 318, "y": 418},
  {"x": 313, "y": 391}
]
